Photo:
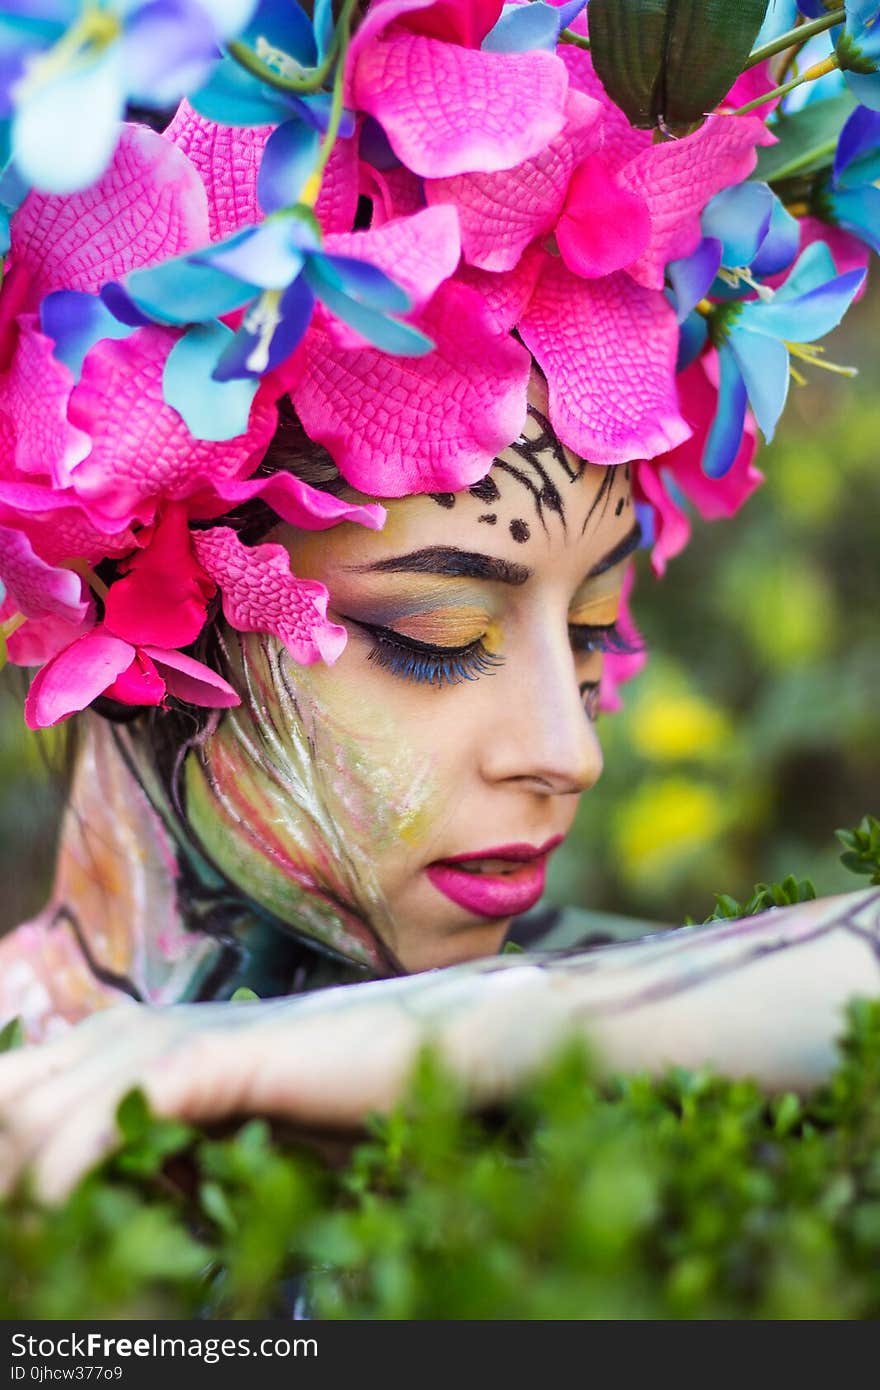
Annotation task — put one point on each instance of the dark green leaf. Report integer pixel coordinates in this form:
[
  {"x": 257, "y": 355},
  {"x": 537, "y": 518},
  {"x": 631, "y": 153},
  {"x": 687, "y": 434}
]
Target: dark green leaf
[{"x": 11, "y": 1035}]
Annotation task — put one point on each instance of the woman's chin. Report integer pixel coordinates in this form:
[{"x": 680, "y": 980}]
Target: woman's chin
[{"x": 471, "y": 940}]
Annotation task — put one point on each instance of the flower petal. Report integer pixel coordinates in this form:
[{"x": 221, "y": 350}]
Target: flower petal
[
  {"x": 34, "y": 395},
  {"x": 604, "y": 226},
  {"x": 725, "y": 436},
  {"x": 450, "y": 110},
  {"x": 139, "y": 684},
  {"x": 192, "y": 681},
  {"x": 76, "y": 677},
  {"x": 292, "y": 499},
  {"x": 65, "y": 129},
  {"x": 163, "y": 597},
  {"x": 261, "y": 595},
  {"x": 211, "y": 409},
  {"x": 428, "y": 424},
  {"x": 419, "y": 252},
  {"x": 607, "y": 348},
  {"x": 37, "y": 589}
]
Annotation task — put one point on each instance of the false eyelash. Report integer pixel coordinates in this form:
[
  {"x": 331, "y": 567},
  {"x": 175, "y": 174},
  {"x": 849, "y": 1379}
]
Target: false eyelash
[
  {"x": 426, "y": 664},
  {"x": 600, "y": 637}
]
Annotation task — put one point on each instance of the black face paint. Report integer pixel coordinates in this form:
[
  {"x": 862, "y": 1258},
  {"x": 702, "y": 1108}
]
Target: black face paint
[{"x": 520, "y": 531}]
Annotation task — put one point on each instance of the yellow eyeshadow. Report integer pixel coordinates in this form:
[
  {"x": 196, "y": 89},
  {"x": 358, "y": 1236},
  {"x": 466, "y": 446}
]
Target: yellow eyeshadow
[
  {"x": 453, "y": 627},
  {"x": 599, "y": 611}
]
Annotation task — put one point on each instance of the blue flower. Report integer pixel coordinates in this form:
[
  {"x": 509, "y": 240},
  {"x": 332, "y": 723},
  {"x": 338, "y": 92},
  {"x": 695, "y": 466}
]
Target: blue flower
[
  {"x": 848, "y": 196},
  {"x": 70, "y": 67},
  {"x": 523, "y": 28},
  {"x": 857, "y": 45},
  {"x": 274, "y": 271},
  {"x": 757, "y": 339}
]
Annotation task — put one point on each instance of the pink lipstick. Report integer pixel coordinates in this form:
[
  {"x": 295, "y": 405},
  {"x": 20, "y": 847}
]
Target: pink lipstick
[{"x": 494, "y": 883}]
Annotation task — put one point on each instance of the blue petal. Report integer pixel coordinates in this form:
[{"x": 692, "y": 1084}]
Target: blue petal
[
  {"x": 725, "y": 436},
  {"x": 813, "y": 268},
  {"x": 739, "y": 218},
  {"x": 65, "y": 131},
  {"x": 807, "y": 317},
  {"x": 780, "y": 245},
  {"x": 229, "y": 17},
  {"x": 375, "y": 147},
  {"x": 267, "y": 255},
  {"x": 168, "y": 47},
  {"x": 780, "y": 17},
  {"x": 859, "y": 139},
  {"x": 121, "y": 306},
  {"x": 694, "y": 332},
  {"x": 182, "y": 291},
  {"x": 287, "y": 163},
  {"x": 233, "y": 97},
  {"x": 284, "y": 25},
  {"x": 272, "y": 329},
  {"x": 210, "y": 409},
  {"x": 523, "y": 28},
  {"x": 76, "y": 321},
  {"x": 865, "y": 87},
  {"x": 858, "y": 210},
  {"x": 323, "y": 25},
  {"x": 358, "y": 280},
  {"x": 385, "y": 333},
  {"x": 692, "y": 276},
  {"x": 763, "y": 363}
]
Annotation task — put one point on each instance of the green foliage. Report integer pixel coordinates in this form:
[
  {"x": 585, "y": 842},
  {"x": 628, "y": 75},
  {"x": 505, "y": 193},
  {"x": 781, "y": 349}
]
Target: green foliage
[
  {"x": 766, "y": 895},
  {"x": 862, "y": 848},
  {"x": 11, "y": 1035},
  {"x": 687, "y": 1196}
]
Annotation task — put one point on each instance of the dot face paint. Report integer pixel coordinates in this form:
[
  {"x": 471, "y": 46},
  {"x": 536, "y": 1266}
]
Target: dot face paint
[{"x": 364, "y": 803}]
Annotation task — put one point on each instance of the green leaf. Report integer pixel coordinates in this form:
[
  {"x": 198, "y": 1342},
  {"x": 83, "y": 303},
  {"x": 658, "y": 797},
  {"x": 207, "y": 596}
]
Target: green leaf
[
  {"x": 807, "y": 140},
  {"x": 133, "y": 1116},
  {"x": 12, "y": 1035},
  {"x": 243, "y": 995},
  {"x": 666, "y": 63}
]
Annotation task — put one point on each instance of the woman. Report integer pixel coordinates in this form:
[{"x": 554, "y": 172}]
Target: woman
[{"x": 395, "y": 739}]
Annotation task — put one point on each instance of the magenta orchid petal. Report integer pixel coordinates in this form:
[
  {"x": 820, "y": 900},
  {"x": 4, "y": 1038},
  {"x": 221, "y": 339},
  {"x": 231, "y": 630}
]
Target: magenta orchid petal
[
  {"x": 501, "y": 213},
  {"x": 139, "y": 684},
  {"x": 619, "y": 667},
  {"x": 449, "y": 110},
  {"x": 228, "y": 161},
  {"x": 40, "y": 639},
  {"x": 142, "y": 449},
  {"x": 677, "y": 178},
  {"x": 393, "y": 192},
  {"x": 260, "y": 594},
  {"x": 76, "y": 677},
  {"x": 604, "y": 226},
  {"x": 190, "y": 680},
  {"x": 418, "y": 252},
  {"x": 505, "y": 295},
  {"x": 148, "y": 204},
  {"x": 378, "y": 415},
  {"x": 337, "y": 200},
  {"x": 621, "y": 142},
  {"x": 34, "y": 393},
  {"x": 37, "y": 589},
  {"x": 163, "y": 597},
  {"x": 293, "y": 500},
  {"x": 672, "y": 529},
  {"x": 56, "y": 524},
  {"x": 608, "y": 349}
]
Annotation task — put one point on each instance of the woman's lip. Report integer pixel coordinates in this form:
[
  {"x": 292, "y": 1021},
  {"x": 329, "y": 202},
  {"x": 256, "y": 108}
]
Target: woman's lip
[
  {"x": 491, "y": 895},
  {"x": 516, "y": 854}
]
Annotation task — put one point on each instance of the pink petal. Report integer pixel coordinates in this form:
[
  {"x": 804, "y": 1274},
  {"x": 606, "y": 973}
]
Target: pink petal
[
  {"x": 619, "y": 667},
  {"x": 379, "y": 16},
  {"x": 604, "y": 226},
  {"x": 393, "y": 192},
  {"x": 463, "y": 21},
  {"x": 607, "y": 348},
  {"x": 38, "y": 590},
  {"x": 419, "y": 252},
  {"x": 142, "y": 449},
  {"x": 294, "y": 501},
  {"x": 149, "y": 204},
  {"x": 76, "y": 677},
  {"x": 192, "y": 681},
  {"x": 261, "y": 595},
  {"x": 163, "y": 597},
  {"x": 449, "y": 110},
  {"x": 501, "y": 213},
  {"x": 337, "y": 200},
  {"x": 507, "y": 294},
  {"x": 228, "y": 161},
  {"x": 677, "y": 178},
  {"x": 39, "y": 639},
  {"x": 139, "y": 684},
  {"x": 396, "y": 425},
  {"x": 754, "y": 82},
  {"x": 56, "y": 525},
  {"x": 672, "y": 529},
  {"x": 621, "y": 142},
  {"x": 34, "y": 393}
]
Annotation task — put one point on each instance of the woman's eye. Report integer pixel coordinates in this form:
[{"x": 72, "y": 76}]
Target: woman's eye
[
  {"x": 425, "y": 663},
  {"x": 599, "y": 637}
]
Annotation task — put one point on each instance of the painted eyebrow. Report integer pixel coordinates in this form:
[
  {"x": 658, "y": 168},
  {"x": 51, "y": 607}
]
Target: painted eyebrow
[
  {"x": 452, "y": 563},
  {"x": 623, "y": 548}
]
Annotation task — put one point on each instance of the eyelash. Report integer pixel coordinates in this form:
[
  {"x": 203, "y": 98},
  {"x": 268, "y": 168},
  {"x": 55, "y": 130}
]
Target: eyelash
[{"x": 430, "y": 665}]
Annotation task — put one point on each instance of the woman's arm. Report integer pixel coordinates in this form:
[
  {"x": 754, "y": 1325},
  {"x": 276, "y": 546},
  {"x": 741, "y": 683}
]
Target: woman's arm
[{"x": 763, "y": 996}]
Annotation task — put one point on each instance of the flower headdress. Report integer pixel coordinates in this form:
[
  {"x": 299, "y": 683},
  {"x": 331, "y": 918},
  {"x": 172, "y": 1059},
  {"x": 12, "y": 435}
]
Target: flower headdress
[{"x": 386, "y": 216}]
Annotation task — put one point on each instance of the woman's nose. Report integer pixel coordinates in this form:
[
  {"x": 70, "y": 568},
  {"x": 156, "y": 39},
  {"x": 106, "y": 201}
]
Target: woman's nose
[{"x": 541, "y": 734}]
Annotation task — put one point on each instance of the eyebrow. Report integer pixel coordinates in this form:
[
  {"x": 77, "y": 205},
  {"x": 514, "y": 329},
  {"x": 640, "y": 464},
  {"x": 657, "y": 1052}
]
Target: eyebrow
[{"x": 452, "y": 563}]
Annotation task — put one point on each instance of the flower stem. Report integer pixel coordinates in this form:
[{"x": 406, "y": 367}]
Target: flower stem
[
  {"x": 310, "y": 193},
  {"x": 12, "y": 624},
  {"x": 247, "y": 58},
  {"x": 812, "y": 74},
  {"x": 798, "y": 35},
  {"x": 568, "y": 36}
]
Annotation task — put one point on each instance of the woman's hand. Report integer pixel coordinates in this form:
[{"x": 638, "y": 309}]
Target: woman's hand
[{"x": 764, "y": 996}]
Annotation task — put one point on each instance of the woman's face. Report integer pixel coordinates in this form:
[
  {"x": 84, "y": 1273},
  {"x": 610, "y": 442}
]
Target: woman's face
[{"x": 422, "y": 782}]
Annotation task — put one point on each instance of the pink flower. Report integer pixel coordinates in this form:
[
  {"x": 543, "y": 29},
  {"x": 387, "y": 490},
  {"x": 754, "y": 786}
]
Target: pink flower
[
  {"x": 619, "y": 667},
  {"x": 446, "y": 106},
  {"x": 665, "y": 481}
]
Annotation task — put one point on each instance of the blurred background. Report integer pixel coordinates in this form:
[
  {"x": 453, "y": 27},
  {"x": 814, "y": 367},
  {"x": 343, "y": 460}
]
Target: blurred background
[{"x": 754, "y": 731}]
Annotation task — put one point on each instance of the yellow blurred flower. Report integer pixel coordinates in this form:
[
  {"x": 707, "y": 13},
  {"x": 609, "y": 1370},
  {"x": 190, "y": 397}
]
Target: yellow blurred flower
[
  {"x": 664, "y": 821},
  {"x": 669, "y": 724}
]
